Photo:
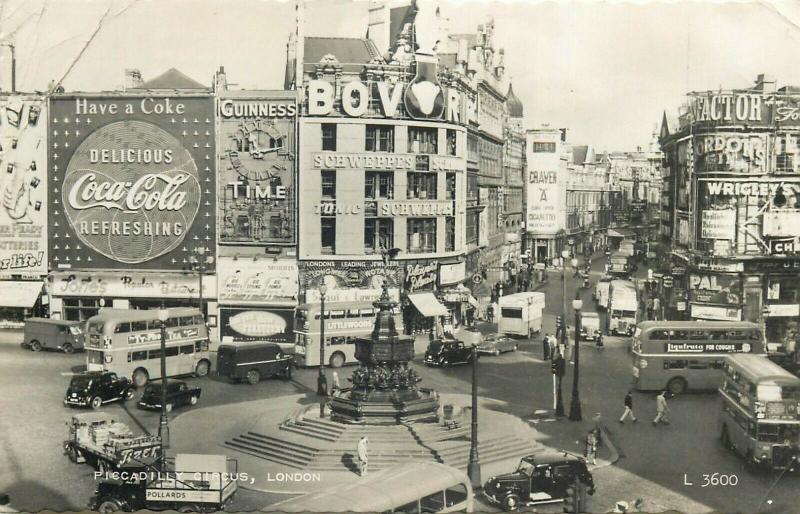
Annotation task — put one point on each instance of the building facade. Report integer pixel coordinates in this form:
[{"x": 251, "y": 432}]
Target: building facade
[
  {"x": 732, "y": 163},
  {"x": 546, "y": 198}
]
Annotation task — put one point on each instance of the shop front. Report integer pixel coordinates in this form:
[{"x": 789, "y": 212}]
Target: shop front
[
  {"x": 777, "y": 283},
  {"x": 20, "y": 300},
  {"x": 257, "y": 298},
  {"x": 455, "y": 296},
  {"x": 79, "y": 295},
  {"x": 715, "y": 295},
  {"x": 419, "y": 276}
]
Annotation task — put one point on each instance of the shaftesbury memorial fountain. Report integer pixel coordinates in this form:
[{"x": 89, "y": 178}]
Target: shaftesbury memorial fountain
[{"x": 384, "y": 387}]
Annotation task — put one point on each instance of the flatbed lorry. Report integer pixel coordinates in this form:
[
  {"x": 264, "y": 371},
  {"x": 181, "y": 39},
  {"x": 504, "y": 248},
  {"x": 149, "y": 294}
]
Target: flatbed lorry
[{"x": 97, "y": 439}]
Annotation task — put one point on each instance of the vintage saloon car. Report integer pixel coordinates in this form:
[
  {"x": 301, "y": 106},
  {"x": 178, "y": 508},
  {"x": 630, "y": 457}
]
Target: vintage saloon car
[
  {"x": 495, "y": 344},
  {"x": 94, "y": 388},
  {"x": 447, "y": 352},
  {"x": 178, "y": 393},
  {"x": 539, "y": 478}
]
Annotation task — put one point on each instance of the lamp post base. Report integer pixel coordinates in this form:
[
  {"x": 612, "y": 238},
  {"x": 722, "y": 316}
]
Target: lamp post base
[
  {"x": 575, "y": 411},
  {"x": 474, "y": 474}
]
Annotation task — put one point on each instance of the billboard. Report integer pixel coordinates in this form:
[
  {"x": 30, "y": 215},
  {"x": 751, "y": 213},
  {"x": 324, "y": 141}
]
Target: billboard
[
  {"x": 23, "y": 186},
  {"x": 257, "y": 149},
  {"x": 545, "y": 175},
  {"x": 132, "y": 180}
]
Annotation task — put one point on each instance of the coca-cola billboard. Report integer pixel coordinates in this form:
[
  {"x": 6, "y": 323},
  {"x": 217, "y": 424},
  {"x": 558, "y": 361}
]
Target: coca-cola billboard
[{"x": 132, "y": 181}]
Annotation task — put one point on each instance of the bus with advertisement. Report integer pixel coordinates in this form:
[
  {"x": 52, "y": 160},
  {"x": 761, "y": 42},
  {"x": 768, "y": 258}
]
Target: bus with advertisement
[
  {"x": 128, "y": 342},
  {"x": 344, "y": 323},
  {"x": 680, "y": 356},
  {"x": 760, "y": 412}
]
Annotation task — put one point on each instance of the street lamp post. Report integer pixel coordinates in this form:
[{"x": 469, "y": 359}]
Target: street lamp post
[
  {"x": 163, "y": 427},
  {"x": 474, "y": 466},
  {"x": 575, "y": 405},
  {"x": 322, "y": 381},
  {"x": 200, "y": 260}
]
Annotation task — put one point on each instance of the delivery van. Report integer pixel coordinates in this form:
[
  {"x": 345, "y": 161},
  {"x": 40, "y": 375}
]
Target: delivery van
[
  {"x": 521, "y": 313},
  {"x": 622, "y": 308},
  {"x": 43, "y": 333}
]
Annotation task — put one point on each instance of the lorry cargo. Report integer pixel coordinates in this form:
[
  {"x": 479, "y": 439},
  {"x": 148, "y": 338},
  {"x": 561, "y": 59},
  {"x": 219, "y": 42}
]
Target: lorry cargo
[
  {"x": 623, "y": 305},
  {"x": 97, "y": 439},
  {"x": 521, "y": 313}
]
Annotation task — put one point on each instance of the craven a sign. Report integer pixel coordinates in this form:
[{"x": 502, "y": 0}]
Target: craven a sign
[{"x": 132, "y": 181}]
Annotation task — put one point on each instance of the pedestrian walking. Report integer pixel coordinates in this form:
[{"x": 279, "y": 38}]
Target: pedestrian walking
[
  {"x": 363, "y": 458},
  {"x": 656, "y": 308},
  {"x": 628, "y": 408},
  {"x": 335, "y": 388},
  {"x": 590, "y": 452},
  {"x": 649, "y": 308},
  {"x": 546, "y": 347},
  {"x": 661, "y": 409},
  {"x": 598, "y": 428}
]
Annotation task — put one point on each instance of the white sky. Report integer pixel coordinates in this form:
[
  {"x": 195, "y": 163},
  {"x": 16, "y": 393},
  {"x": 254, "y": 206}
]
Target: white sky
[{"x": 604, "y": 70}]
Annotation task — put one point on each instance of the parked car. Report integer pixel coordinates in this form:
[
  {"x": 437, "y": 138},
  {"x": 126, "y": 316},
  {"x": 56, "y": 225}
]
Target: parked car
[
  {"x": 94, "y": 388},
  {"x": 447, "y": 353},
  {"x": 253, "y": 361},
  {"x": 44, "y": 333},
  {"x": 178, "y": 394},
  {"x": 495, "y": 344},
  {"x": 539, "y": 478}
]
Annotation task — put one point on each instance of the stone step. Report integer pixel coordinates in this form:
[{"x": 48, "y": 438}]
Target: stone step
[
  {"x": 279, "y": 443},
  {"x": 309, "y": 432},
  {"x": 267, "y": 453},
  {"x": 326, "y": 453},
  {"x": 483, "y": 446},
  {"x": 350, "y": 462},
  {"x": 461, "y": 460},
  {"x": 323, "y": 424}
]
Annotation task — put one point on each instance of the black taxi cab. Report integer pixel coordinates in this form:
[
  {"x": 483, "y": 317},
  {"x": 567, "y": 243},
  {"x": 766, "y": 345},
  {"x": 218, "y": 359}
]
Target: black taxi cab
[{"x": 539, "y": 478}]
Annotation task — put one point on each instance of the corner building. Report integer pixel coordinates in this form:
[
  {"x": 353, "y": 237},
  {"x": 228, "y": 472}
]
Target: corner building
[
  {"x": 382, "y": 170},
  {"x": 734, "y": 178}
]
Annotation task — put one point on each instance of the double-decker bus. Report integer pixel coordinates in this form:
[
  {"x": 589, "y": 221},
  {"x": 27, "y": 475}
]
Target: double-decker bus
[
  {"x": 344, "y": 323},
  {"x": 128, "y": 342},
  {"x": 689, "y": 355},
  {"x": 760, "y": 415}
]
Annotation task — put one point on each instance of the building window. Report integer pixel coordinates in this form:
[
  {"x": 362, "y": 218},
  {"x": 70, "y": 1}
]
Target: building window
[
  {"x": 450, "y": 189},
  {"x": 422, "y": 186},
  {"x": 421, "y": 235},
  {"x": 473, "y": 224},
  {"x": 544, "y": 147},
  {"x": 80, "y": 309},
  {"x": 472, "y": 186},
  {"x": 329, "y": 184},
  {"x": 784, "y": 163},
  {"x": 329, "y": 136},
  {"x": 451, "y": 142},
  {"x": 328, "y": 235},
  {"x": 378, "y": 234},
  {"x": 422, "y": 140},
  {"x": 379, "y": 184},
  {"x": 380, "y": 138},
  {"x": 449, "y": 234}
]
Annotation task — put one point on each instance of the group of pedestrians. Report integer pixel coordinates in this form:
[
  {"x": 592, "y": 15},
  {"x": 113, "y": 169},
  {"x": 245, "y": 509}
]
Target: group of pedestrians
[{"x": 662, "y": 409}]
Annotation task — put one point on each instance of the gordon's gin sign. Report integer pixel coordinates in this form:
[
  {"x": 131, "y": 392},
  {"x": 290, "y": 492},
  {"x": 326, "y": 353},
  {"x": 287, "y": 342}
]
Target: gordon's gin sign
[{"x": 135, "y": 191}]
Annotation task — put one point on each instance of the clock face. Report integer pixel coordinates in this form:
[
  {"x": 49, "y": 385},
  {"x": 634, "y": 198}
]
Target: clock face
[{"x": 257, "y": 149}]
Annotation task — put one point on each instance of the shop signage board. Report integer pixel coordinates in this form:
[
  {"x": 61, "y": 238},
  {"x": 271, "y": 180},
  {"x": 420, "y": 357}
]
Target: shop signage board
[
  {"x": 783, "y": 310},
  {"x": 386, "y": 161},
  {"x": 452, "y": 273},
  {"x": 784, "y": 246},
  {"x": 256, "y": 324},
  {"x": 730, "y": 108},
  {"x": 416, "y": 208},
  {"x": 718, "y": 224},
  {"x": 349, "y": 281},
  {"x": 132, "y": 180},
  {"x": 714, "y": 288},
  {"x": 263, "y": 281},
  {"x": 777, "y": 265},
  {"x": 545, "y": 188},
  {"x": 256, "y": 161},
  {"x": 714, "y": 312},
  {"x": 729, "y": 151},
  {"x": 421, "y": 276},
  {"x": 131, "y": 285},
  {"x": 23, "y": 183},
  {"x": 781, "y": 223}
]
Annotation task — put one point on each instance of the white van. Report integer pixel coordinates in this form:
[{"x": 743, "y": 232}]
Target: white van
[
  {"x": 623, "y": 307},
  {"x": 601, "y": 291},
  {"x": 521, "y": 313}
]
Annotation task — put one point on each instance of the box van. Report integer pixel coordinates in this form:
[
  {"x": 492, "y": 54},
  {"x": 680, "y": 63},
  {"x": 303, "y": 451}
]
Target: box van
[
  {"x": 627, "y": 247},
  {"x": 601, "y": 291},
  {"x": 63, "y": 335},
  {"x": 521, "y": 313},
  {"x": 253, "y": 361}
]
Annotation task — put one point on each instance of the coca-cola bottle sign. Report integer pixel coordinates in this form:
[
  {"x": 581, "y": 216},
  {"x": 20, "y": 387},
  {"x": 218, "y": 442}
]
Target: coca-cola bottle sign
[{"x": 131, "y": 191}]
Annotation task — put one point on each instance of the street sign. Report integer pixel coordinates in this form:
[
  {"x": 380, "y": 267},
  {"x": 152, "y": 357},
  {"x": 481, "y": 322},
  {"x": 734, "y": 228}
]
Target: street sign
[{"x": 668, "y": 282}]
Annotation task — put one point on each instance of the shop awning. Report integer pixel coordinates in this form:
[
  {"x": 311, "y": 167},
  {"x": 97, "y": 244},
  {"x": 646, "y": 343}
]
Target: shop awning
[
  {"x": 427, "y": 304},
  {"x": 19, "y": 294},
  {"x": 620, "y": 232}
]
